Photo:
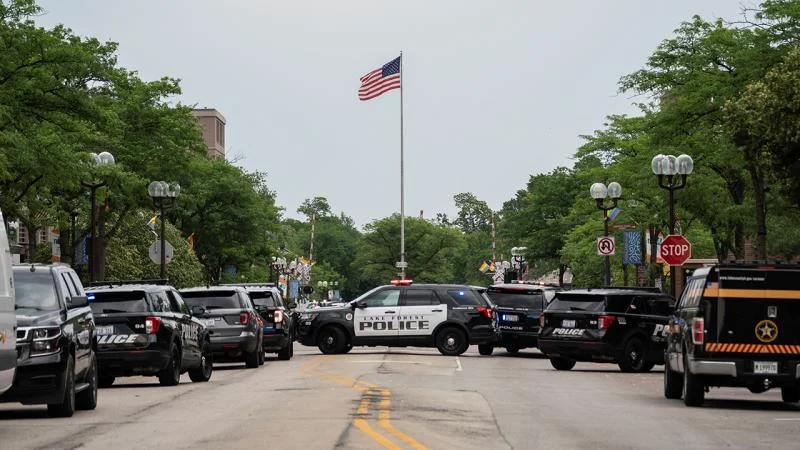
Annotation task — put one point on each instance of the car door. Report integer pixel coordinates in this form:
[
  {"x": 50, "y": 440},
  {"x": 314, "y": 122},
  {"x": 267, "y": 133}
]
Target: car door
[
  {"x": 375, "y": 318},
  {"x": 189, "y": 329},
  {"x": 79, "y": 319},
  {"x": 419, "y": 314}
]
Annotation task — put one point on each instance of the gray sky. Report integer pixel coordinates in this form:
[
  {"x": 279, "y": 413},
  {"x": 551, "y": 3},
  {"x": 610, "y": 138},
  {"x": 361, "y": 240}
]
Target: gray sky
[{"x": 494, "y": 91}]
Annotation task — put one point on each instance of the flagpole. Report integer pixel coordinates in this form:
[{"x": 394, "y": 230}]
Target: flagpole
[{"x": 402, "y": 196}]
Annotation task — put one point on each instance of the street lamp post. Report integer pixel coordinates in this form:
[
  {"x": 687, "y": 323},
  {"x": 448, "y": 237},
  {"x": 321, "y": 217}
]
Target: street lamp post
[
  {"x": 518, "y": 260},
  {"x": 102, "y": 159},
  {"x": 667, "y": 167},
  {"x": 163, "y": 195},
  {"x": 599, "y": 193}
]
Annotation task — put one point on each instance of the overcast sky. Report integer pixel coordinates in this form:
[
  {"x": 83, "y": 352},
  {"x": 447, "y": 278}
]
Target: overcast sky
[{"x": 494, "y": 91}]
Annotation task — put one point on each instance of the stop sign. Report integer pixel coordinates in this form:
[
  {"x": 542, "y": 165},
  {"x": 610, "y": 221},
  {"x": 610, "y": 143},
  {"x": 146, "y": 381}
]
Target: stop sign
[{"x": 675, "y": 250}]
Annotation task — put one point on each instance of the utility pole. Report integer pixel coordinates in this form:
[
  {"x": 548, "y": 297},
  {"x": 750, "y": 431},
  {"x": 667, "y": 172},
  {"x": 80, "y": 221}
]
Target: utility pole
[
  {"x": 494, "y": 239},
  {"x": 311, "y": 250}
]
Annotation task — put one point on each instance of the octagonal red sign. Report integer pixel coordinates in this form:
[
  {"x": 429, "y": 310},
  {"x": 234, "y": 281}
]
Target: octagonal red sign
[{"x": 675, "y": 250}]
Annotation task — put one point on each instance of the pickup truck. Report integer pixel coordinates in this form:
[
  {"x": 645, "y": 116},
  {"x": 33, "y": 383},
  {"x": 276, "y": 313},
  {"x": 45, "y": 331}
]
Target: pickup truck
[{"x": 148, "y": 330}]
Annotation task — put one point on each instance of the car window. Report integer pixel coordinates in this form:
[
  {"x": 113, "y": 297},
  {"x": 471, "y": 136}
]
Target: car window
[
  {"x": 420, "y": 297},
  {"x": 577, "y": 302},
  {"x": 465, "y": 297},
  {"x": 638, "y": 305},
  {"x": 264, "y": 298},
  {"x": 176, "y": 302},
  {"x": 517, "y": 298},
  {"x": 213, "y": 299},
  {"x": 160, "y": 302},
  {"x": 660, "y": 306},
  {"x": 388, "y": 297},
  {"x": 77, "y": 282},
  {"x": 71, "y": 289},
  {"x": 35, "y": 291},
  {"x": 109, "y": 302}
]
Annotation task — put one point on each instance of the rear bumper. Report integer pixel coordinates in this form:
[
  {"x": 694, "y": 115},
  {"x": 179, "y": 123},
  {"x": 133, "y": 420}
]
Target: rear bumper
[
  {"x": 233, "y": 347},
  {"x": 121, "y": 363},
  {"x": 578, "y": 350},
  {"x": 739, "y": 372},
  {"x": 518, "y": 339},
  {"x": 275, "y": 340},
  {"x": 40, "y": 383}
]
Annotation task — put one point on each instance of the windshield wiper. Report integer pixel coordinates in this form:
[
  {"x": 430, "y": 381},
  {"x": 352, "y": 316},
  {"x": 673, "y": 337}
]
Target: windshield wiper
[{"x": 36, "y": 308}]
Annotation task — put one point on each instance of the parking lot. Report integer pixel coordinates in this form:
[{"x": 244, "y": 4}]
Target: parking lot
[{"x": 408, "y": 398}]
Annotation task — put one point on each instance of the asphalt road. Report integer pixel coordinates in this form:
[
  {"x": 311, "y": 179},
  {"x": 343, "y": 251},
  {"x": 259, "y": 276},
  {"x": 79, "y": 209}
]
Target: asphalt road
[{"x": 412, "y": 399}]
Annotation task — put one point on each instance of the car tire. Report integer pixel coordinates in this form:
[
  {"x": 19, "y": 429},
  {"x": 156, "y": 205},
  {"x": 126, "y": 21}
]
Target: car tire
[
  {"x": 171, "y": 375},
  {"x": 673, "y": 382},
  {"x": 251, "y": 359},
  {"x": 790, "y": 394},
  {"x": 512, "y": 349},
  {"x": 693, "y": 389},
  {"x": 261, "y": 357},
  {"x": 332, "y": 341},
  {"x": 286, "y": 352},
  {"x": 562, "y": 363},
  {"x": 633, "y": 356},
  {"x": 105, "y": 381},
  {"x": 451, "y": 341},
  {"x": 486, "y": 349},
  {"x": 348, "y": 348},
  {"x": 203, "y": 373},
  {"x": 87, "y": 399},
  {"x": 66, "y": 408}
]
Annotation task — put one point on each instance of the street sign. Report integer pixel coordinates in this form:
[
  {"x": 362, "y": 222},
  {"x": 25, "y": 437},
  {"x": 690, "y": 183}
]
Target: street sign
[
  {"x": 605, "y": 245},
  {"x": 675, "y": 250},
  {"x": 155, "y": 252},
  {"x": 401, "y": 265}
]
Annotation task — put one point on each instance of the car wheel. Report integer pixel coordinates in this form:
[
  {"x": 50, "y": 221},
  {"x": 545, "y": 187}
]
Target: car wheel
[
  {"x": 105, "y": 381},
  {"x": 486, "y": 349},
  {"x": 348, "y": 348},
  {"x": 87, "y": 399},
  {"x": 512, "y": 349},
  {"x": 261, "y": 357},
  {"x": 451, "y": 341},
  {"x": 66, "y": 408},
  {"x": 171, "y": 375},
  {"x": 332, "y": 341},
  {"x": 673, "y": 383},
  {"x": 203, "y": 373},
  {"x": 633, "y": 356},
  {"x": 562, "y": 363},
  {"x": 251, "y": 359},
  {"x": 286, "y": 352},
  {"x": 790, "y": 394},
  {"x": 693, "y": 393}
]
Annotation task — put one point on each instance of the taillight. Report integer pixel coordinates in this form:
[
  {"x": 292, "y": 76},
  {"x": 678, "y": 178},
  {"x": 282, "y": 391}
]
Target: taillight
[
  {"x": 541, "y": 320},
  {"x": 486, "y": 312},
  {"x": 244, "y": 318},
  {"x": 278, "y": 316},
  {"x": 698, "y": 331},
  {"x": 604, "y": 322},
  {"x": 151, "y": 325}
]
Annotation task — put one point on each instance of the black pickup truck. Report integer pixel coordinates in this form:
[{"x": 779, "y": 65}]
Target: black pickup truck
[{"x": 148, "y": 330}]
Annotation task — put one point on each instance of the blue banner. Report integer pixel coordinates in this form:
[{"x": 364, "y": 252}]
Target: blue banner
[
  {"x": 294, "y": 288},
  {"x": 632, "y": 240}
]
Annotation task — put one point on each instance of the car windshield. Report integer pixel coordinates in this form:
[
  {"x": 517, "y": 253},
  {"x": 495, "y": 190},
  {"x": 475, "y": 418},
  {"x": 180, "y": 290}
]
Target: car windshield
[
  {"x": 35, "y": 291},
  {"x": 118, "y": 302},
  {"x": 577, "y": 302},
  {"x": 516, "y": 298},
  {"x": 263, "y": 298},
  {"x": 212, "y": 299}
]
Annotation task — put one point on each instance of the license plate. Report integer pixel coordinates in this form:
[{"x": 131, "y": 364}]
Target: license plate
[
  {"x": 510, "y": 318},
  {"x": 210, "y": 322},
  {"x": 765, "y": 367},
  {"x": 568, "y": 323},
  {"x": 104, "y": 330}
]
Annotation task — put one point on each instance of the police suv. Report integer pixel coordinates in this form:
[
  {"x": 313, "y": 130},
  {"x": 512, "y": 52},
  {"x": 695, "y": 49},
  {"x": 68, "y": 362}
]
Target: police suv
[
  {"x": 448, "y": 317},
  {"x": 615, "y": 325},
  {"x": 736, "y": 325}
]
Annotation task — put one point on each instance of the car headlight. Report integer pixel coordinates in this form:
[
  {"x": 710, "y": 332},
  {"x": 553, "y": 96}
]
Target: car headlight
[
  {"x": 308, "y": 316},
  {"x": 45, "y": 340}
]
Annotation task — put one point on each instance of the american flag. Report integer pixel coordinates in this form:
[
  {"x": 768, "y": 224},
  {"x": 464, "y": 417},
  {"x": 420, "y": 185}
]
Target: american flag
[{"x": 380, "y": 80}]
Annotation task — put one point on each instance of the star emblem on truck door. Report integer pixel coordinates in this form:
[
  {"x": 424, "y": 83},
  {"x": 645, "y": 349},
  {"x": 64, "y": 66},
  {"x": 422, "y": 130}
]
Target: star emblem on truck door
[{"x": 766, "y": 331}]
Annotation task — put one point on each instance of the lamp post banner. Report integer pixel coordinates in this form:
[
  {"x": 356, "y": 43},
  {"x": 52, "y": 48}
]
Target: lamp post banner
[{"x": 632, "y": 241}]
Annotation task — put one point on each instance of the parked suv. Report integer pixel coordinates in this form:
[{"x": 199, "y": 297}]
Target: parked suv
[
  {"x": 56, "y": 361},
  {"x": 518, "y": 307},
  {"x": 736, "y": 325},
  {"x": 8, "y": 320},
  {"x": 614, "y": 325},
  {"x": 446, "y": 316},
  {"x": 278, "y": 327},
  {"x": 148, "y": 330},
  {"x": 232, "y": 322}
]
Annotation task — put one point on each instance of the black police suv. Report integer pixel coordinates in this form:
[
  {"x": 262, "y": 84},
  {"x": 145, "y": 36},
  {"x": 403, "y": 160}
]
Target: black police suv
[
  {"x": 148, "y": 330},
  {"x": 448, "y": 317},
  {"x": 278, "y": 328},
  {"x": 736, "y": 325},
  {"x": 232, "y": 321},
  {"x": 56, "y": 361},
  {"x": 518, "y": 307},
  {"x": 613, "y": 325}
]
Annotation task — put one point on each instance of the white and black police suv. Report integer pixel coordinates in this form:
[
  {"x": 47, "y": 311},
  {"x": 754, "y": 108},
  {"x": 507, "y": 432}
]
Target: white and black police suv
[{"x": 448, "y": 317}]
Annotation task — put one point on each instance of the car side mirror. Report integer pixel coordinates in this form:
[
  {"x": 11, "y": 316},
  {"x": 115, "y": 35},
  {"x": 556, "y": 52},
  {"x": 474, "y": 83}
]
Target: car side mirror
[
  {"x": 198, "y": 310},
  {"x": 78, "y": 302},
  {"x": 361, "y": 304}
]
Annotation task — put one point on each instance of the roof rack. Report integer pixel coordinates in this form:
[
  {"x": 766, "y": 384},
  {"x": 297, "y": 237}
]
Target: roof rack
[{"x": 109, "y": 283}]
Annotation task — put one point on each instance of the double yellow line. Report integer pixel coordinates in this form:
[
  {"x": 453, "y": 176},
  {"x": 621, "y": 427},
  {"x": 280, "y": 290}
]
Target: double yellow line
[{"x": 371, "y": 395}]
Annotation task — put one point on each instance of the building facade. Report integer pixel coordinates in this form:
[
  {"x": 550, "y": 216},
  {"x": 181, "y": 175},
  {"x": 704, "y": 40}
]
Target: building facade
[{"x": 212, "y": 124}]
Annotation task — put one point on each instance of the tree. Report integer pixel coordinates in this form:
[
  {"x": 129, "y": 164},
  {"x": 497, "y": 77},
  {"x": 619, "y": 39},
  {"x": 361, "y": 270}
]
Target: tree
[
  {"x": 318, "y": 206},
  {"x": 473, "y": 214}
]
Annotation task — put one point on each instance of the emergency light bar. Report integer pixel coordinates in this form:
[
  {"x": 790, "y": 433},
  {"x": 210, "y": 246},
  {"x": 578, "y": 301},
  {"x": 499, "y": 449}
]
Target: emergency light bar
[{"x": 401, "y": 282}]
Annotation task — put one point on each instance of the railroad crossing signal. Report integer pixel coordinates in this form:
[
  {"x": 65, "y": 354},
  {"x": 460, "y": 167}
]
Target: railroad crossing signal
[{"x": 605, "y": 245}]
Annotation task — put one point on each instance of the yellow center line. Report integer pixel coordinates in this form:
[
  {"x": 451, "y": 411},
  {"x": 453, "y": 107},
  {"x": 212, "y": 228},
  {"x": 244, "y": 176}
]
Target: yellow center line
[{"x": 384, "y": 417}]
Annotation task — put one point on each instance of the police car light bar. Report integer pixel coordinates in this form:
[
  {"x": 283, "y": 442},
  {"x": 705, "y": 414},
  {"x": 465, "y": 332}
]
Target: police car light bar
[{"x": 401, "y": 282}]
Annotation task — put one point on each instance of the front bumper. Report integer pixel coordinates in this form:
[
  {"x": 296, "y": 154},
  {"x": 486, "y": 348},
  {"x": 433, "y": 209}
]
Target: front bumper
[
  {"x": 234, "y": 347},
  {"x": 40, "y": 381},
  {"x": 132, "y": 362},
  {"x": 578, "y": 350}
]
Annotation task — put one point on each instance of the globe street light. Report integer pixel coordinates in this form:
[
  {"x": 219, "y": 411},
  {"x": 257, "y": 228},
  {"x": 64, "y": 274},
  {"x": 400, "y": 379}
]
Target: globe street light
[
  {"x": 102, "y": 159},
  {"x": 599, "y": 193},
  {"x": 672, "y": 173},
  {"x": 163, "y": 195},
  {"x": 518, "y": 260}
]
